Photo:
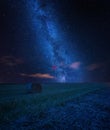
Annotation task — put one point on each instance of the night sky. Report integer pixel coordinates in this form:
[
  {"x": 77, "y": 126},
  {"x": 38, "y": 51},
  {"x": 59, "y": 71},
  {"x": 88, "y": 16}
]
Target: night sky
[{"x": 54, "y": 41}]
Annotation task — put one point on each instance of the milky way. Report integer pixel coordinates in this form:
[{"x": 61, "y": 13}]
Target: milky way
[
  {"x": 66, "y": 40},
  {"x": 49, "y": 36}
]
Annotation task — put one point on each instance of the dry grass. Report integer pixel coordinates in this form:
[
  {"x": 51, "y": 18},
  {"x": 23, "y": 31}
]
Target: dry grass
[{"x": 12, "y": 107}]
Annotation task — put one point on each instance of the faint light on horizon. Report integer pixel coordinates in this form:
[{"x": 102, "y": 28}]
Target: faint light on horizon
[{"x": 62, "y": 78}]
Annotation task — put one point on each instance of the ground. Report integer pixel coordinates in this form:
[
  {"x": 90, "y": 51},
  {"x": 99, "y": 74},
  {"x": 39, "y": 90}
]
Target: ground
[{"x": 90, "y": 111}]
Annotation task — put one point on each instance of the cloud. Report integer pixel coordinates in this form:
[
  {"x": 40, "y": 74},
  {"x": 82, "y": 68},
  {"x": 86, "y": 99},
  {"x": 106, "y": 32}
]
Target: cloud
[
  {"x": 10, "y": 60},
  {"x": 38, "y": 75},
  {"x": 94, "y": 66},
  {"x": 75, "y": 65}
]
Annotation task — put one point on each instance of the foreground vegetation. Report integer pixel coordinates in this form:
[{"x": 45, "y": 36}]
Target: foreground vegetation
[{"x": 14, "y": 103}]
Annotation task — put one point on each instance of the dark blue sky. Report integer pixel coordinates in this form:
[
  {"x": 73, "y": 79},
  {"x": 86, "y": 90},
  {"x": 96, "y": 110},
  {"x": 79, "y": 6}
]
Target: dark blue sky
[{"x": 44, "y": 40}]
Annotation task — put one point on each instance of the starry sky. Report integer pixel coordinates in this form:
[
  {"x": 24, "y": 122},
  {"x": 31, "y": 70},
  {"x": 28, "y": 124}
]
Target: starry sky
[{"x": 54, "y": 41}]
